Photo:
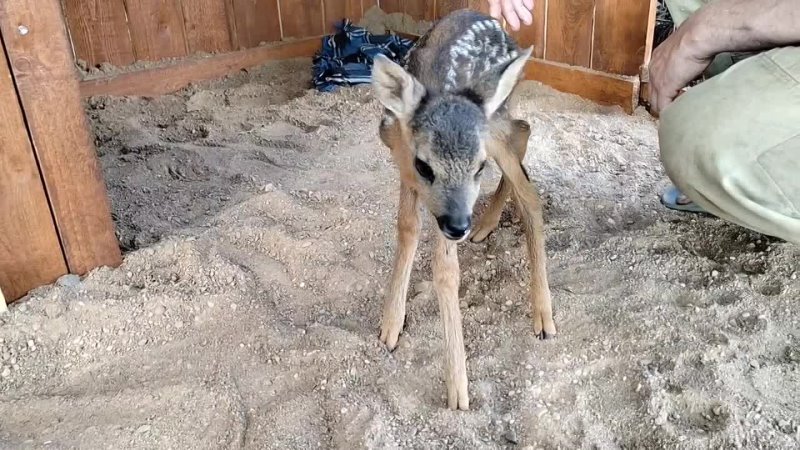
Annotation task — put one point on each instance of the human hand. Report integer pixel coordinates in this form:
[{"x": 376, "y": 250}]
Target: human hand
[
  {"x": 513, "y": 11},
  {"x": 674, "y": 64}
]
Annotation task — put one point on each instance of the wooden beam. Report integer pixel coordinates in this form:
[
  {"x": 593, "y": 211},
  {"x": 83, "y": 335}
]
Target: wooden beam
[
  {"x": 30, "y": 253},
  {"x": 170, "y": 78},
  {"x": 599, "y": 87},
  {"x": 41, "y": 60}
]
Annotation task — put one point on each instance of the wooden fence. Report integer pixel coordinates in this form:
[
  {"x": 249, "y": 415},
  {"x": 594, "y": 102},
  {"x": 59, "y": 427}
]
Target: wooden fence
[{"x": 594, "y": 48}]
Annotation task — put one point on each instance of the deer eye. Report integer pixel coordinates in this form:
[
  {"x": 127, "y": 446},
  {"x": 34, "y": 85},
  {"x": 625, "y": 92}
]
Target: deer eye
[
  {"x": 480, "y": 169},
  {"x": 424, "y": 170}
]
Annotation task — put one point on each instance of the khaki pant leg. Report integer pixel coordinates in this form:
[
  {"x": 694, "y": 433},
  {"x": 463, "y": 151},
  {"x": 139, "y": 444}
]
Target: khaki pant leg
[{"x": 732, "y": 143}]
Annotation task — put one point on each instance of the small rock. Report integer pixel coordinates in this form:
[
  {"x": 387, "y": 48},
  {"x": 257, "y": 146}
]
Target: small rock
[
  {"x": 69, "y": 280},
  {"x": 159, "y": 310},
  {"x": 714, "y": 273},
  {"x": 511, "y": 436},
  {"x": 142, "y": 342},
  {"x": 54, "y": 309},
  {"x": 6, "y": 372},
  {"x": 717, "y": 410},
  {"x": 178, "y": 324},
  {"x": 143, "y": 429}
]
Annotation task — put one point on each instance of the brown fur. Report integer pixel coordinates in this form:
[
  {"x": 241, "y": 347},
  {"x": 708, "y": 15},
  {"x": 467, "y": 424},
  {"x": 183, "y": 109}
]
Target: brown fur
[{"x": 502, "y": 139}]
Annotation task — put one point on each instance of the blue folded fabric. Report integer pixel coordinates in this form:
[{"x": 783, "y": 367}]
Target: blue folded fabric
[{"x": 346, "y": 57}]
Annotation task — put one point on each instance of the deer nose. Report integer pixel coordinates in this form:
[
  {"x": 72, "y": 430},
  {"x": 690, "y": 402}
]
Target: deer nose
[{"x": 454, "y": 227}]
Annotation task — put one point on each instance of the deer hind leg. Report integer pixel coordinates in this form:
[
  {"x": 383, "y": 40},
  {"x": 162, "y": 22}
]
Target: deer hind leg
[
  {"x": 529, "y": 205},
  {"x": 394, "y": 306},
  {"x": 520, "y": 133},
  {"x": 446, "y": 278}
]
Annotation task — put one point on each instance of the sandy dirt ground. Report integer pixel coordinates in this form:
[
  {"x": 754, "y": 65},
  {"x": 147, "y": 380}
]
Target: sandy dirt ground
[{"x": 257, "y": 218}]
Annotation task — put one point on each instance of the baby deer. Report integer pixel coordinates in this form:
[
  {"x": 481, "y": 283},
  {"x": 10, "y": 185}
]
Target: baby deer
[{"x": 445, "y": 114}]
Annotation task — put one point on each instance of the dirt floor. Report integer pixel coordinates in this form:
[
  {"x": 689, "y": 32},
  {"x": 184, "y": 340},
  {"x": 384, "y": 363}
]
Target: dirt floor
[{"x": 258, "y": 222}]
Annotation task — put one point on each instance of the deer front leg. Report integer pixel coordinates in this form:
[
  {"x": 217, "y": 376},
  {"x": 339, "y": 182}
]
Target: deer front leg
[
  {"x": 520, "y": 133},
  {"x": 529, "y": 205},
  {"x": 394, "y": 306},
  {"x": 446, "y": 278}
]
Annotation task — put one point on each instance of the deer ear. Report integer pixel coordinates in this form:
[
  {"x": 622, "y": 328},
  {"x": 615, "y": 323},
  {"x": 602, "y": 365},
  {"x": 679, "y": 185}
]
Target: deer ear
[
  {"x": 395, "y": 88},
  {"x": 508, "y": 81}
]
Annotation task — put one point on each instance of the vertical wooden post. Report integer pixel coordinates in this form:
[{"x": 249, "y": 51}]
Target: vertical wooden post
[
  {"x": 40, "y": 56},
  {"x": 30, "y": 253}
]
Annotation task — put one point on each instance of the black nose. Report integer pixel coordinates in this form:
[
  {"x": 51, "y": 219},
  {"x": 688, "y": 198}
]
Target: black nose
[{"x": 454, "y": 227}]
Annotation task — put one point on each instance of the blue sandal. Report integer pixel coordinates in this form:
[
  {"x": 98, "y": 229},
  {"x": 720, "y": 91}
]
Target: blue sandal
[{"x": 672, "y": 198}]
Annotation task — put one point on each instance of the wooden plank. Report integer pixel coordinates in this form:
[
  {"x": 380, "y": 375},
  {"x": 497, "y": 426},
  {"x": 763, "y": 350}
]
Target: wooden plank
[
  {"x": 156, "y": 29},
  {"x": 620, "y": 36},
  {"x": 256, "y": 21},
  {"x": 421, "y": 9},
  {"x": 569, "y": 32},
  {"x": 47, "y": 85},
  {"x": 445, "y": 7},
  {"x": 367, "y": 4},
  {"x": 534, "y": 34},
  {"x": 602, "y": 88},
  {"x": 206, "y": 25},
  {"x": 302, "y": 18},
  {"x": 651, "y": 30},
  {"x": 99, "y": 31},
  {"x": 392, "y": 6},
  {"x": 30, "y": 253},
  {"x": 336, "y": 10},
  {"x": 163, "y": 80},
  {"x": 478, "y": 5}
]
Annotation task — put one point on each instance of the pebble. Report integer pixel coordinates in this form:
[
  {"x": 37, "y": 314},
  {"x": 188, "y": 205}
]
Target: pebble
[
  {"x": 178, "y": 324},
  {"x": 511, "y": 436},
  {"x": 714, "y": 273},
  {"x": 69, "y": 280},
  {"x": 143, "y": 429},
  {"x": 159, "y": 310},
  {"x": 614, "y": 257},
  {"x": 234, "y": 306},
  {"x": 6, "y": 372},
  {"x": 143, "y": 342},
  {"x": 54, "y": 309},
  {"x": 717, "y": 410}
]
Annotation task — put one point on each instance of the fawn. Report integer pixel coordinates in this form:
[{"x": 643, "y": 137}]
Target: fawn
[{"x": 445, "y": 113}]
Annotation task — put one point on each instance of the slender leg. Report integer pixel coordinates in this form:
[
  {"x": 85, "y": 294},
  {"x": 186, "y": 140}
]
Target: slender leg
[
  {"x": 529, "y": 205},
  {"x": 394, "y": 306},
  {"x": 521, "y": 132},
  {"x": 446, "y": 279}
]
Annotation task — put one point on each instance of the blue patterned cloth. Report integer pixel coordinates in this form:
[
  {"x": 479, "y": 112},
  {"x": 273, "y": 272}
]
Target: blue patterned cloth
[{"x": 346, "y": 57}]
